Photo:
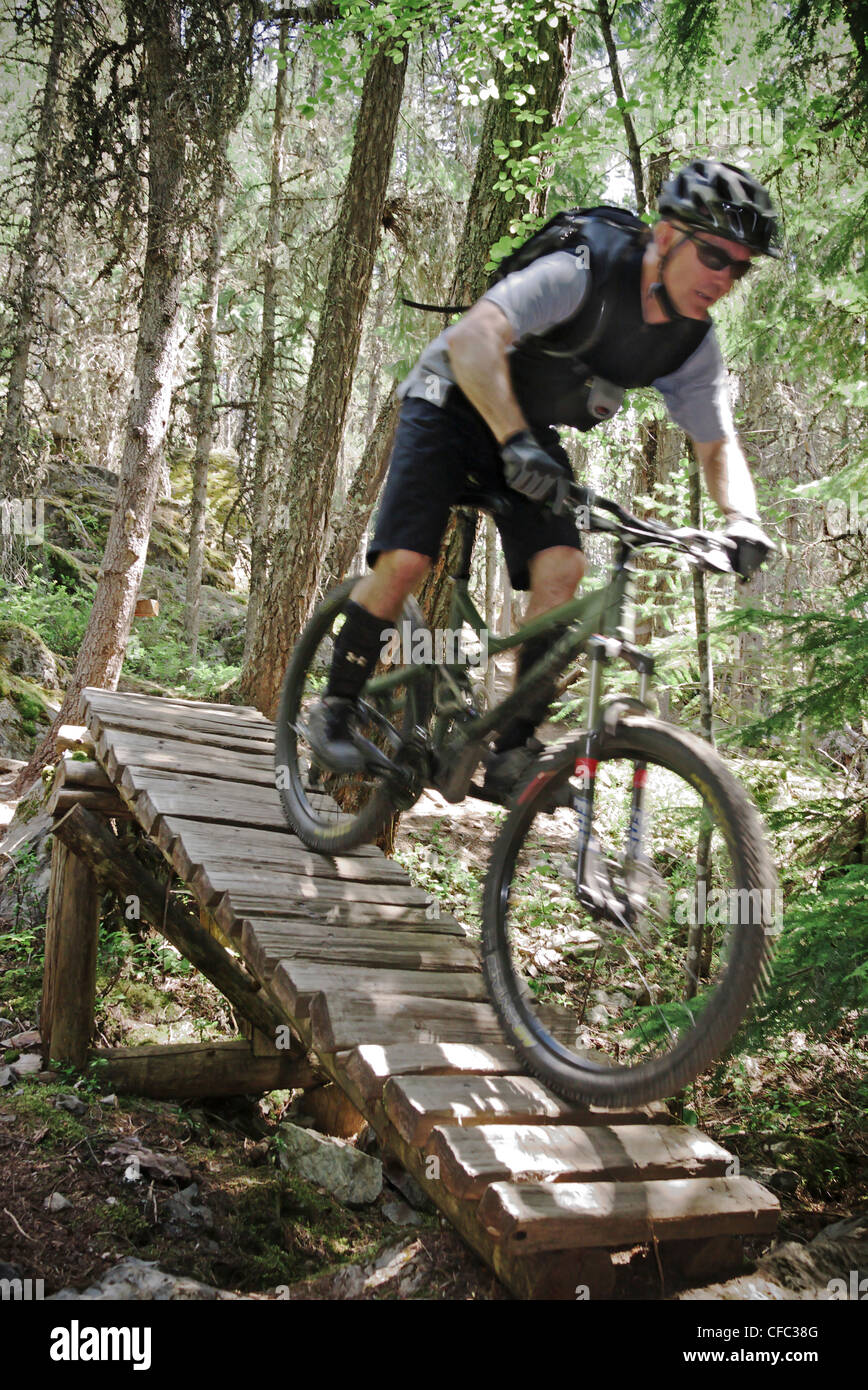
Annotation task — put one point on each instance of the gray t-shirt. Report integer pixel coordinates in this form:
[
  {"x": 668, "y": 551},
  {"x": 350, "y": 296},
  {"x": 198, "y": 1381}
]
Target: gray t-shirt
[{"x": 548, "y": 292}]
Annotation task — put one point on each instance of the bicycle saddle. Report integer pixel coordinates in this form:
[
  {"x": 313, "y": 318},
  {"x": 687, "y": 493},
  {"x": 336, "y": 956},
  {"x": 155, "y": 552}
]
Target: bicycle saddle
[{"x": 484, "y": 499}]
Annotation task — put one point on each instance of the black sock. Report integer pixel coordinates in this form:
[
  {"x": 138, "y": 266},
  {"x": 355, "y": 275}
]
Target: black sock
[
  {"x": 357, "y": 648},
  {"x": 521, "y": 727}
]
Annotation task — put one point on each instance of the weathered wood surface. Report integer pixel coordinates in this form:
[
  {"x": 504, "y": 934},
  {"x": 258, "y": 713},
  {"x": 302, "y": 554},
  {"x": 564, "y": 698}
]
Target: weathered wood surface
[
  {"x": 388, "y": 948},
  {"x": 472, "y": 1158},
  {"x": 556, "y": 1215},
  {"x": 388, "y": 994},
  {"x": 370, "y": 1067},
  {"x": 417, "y": 1104},
  {"x": 66, "y": 1017},
  {"x": 187, "y": 1071},
  {"x": 349, "y": 1020},
  {"x": 296, "y": 984}
]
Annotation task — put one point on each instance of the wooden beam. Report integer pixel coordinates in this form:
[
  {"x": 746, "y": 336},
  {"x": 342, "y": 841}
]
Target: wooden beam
[
  {"x": 86, "y": 836},
  {"x": 186, "y": 1071}
]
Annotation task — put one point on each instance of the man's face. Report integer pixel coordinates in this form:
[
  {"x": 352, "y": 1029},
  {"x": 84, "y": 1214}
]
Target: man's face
[{"x": 694, "y": 287}]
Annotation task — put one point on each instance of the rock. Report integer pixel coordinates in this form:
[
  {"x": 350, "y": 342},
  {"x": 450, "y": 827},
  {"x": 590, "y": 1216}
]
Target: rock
[
  {"x": 135, "y": 1159},
  {"x": 832, "y": 1266},
  {"x": 24, "y": 893},
  {"x": 23, "y": 652},
  {"x": 134, "y": 1279},
  {"x": 784, "y": 1180},
  {"x": 408, "y": 1187},
  {"x": 400, "y": 1213},
  {"x": 27, "y": 1065},
  {"x": 32, "y": 1038},
  {"x": 56, "y": 1202},
  {"x": 398, "y": 1270},
  {"x": 181, "y": 1208},
  {"x": 351, "y": 1177},
  {"x": 6, "y": 1077},
  {"x": 72, "y": 1104}
]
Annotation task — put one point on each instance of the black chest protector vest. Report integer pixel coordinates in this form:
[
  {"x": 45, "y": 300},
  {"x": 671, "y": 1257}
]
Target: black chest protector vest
[{"x": 576, "y": 374}]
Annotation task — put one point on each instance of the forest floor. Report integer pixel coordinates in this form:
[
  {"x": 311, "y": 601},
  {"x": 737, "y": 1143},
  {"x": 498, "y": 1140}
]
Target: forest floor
[{"x": 215, "y": 1205}]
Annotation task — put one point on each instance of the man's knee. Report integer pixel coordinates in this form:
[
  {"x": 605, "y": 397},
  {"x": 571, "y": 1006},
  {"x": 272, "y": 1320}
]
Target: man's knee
[
  {"x": 396, "y": 574},
  {"x": 403, "y": 568},
  {"x": 555, "y": 574}
]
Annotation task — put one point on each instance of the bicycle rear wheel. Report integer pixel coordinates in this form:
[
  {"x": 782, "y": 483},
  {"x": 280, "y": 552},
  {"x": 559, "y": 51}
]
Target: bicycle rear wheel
[
  {"x": 336, "y": 811},
  {"x": 628, "y": 1004}
]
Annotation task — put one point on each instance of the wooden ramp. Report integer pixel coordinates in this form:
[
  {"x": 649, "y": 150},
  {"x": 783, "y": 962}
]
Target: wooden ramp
[{"x": 391, "y": 1002}]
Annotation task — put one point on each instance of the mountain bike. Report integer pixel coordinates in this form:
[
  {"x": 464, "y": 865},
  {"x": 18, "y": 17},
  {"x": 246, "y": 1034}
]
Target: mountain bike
[{"x": 626, "y": 931}]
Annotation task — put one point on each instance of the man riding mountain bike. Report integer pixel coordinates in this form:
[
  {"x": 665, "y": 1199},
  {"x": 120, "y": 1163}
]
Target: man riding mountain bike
[{"x": 557, "y": 343}]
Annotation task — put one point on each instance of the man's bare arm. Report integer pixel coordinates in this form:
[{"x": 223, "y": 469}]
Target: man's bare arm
[
  {"x": 727, "y": 477},
  {"x": 477, "y": 347}
]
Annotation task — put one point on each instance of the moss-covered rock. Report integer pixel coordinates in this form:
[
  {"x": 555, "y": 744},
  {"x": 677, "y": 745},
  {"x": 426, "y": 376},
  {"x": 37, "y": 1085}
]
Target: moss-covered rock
[{"x": 23, "y": 653}]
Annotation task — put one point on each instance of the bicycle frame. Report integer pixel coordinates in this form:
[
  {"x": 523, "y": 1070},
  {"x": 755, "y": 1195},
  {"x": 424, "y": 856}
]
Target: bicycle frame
[{"x": 605, "y": 613}]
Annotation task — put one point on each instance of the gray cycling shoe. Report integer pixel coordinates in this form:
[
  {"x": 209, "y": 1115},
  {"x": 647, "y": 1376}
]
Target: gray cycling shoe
[
  {"x": 509, "y": 773},
  {"x": 327, "y": 731}
]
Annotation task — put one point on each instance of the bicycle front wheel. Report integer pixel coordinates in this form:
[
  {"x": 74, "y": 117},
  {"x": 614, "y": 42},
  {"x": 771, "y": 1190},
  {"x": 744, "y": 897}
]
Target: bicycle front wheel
[
  {"x": 329, "y": 811},
  {"x": 625, "y": 994}
]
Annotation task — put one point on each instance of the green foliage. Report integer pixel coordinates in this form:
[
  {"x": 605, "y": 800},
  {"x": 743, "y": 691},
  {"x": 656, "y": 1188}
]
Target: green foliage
[
  {"x": 59, "y": 616},
  {"x": 829, "y": 650},
  {"x": 819, "y": 973}
]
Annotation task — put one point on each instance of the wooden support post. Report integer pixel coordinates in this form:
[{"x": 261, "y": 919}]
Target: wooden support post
[{"x": 69, "y": 979}]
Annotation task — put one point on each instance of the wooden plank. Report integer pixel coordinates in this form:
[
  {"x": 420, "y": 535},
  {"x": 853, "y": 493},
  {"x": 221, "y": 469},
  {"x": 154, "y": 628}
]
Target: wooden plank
[
  {"x": 93, "y": 696},
  {"x": 471, "y": 1159},
  {"x": 233, "y": 908},
  {"x": 392, "y": 949},
  {"x": 418, "y": 1104},
  {"x": 215, "y": 736},
  {"x": 295, "y": 983},
  {"x": 556, "y": 1215},
  {"x": 118, "y": 750},
  {"x": 160, "y": 791},
  {"x": 373, "y": 924},
  {"x": 240, "y": 846},
  {"x": 370, "y": 1067},
  {"x": 352, "y": 1019},
  {"x": 215, "y": 878}
]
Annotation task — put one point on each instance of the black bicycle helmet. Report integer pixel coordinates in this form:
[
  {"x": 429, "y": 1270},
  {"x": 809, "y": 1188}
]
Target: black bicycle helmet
[{"x": 723, "y": 200}]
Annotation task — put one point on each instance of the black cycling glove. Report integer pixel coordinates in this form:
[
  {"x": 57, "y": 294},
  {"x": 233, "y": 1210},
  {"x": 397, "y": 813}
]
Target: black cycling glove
[
  {"x": 752, "y": 545},
  {"x": 528, "y": 468}
]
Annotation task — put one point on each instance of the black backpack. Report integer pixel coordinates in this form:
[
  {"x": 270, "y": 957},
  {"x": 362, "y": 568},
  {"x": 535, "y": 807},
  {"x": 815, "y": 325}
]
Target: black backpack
[
  {"x": 564, "y": 231},
  {"x": 567, "y": 229}
]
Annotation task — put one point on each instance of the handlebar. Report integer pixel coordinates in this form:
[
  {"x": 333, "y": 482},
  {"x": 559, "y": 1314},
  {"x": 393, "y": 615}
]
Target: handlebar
[{"x": 708, "y": 549}]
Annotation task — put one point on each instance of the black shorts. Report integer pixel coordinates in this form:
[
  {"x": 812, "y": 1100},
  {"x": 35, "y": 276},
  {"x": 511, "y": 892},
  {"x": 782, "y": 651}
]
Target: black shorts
[{"x": 437, "y": 449}]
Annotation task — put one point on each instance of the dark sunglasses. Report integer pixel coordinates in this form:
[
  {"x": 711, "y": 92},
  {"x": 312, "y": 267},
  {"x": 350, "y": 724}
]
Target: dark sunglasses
[{"x": 714, "y": 259}]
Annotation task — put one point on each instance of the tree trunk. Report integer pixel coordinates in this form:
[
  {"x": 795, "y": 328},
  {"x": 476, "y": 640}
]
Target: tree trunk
[
  {"x": 102, "y": 652},
  {"x": 205, "y": 405},
  {"x": 362, "y": 492},
  {"x": 488, "y": 219},
  {"x": 298, "y": 551},
  {"x": 11, "y": 473},
  {"x": 260, "y": 509}
]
